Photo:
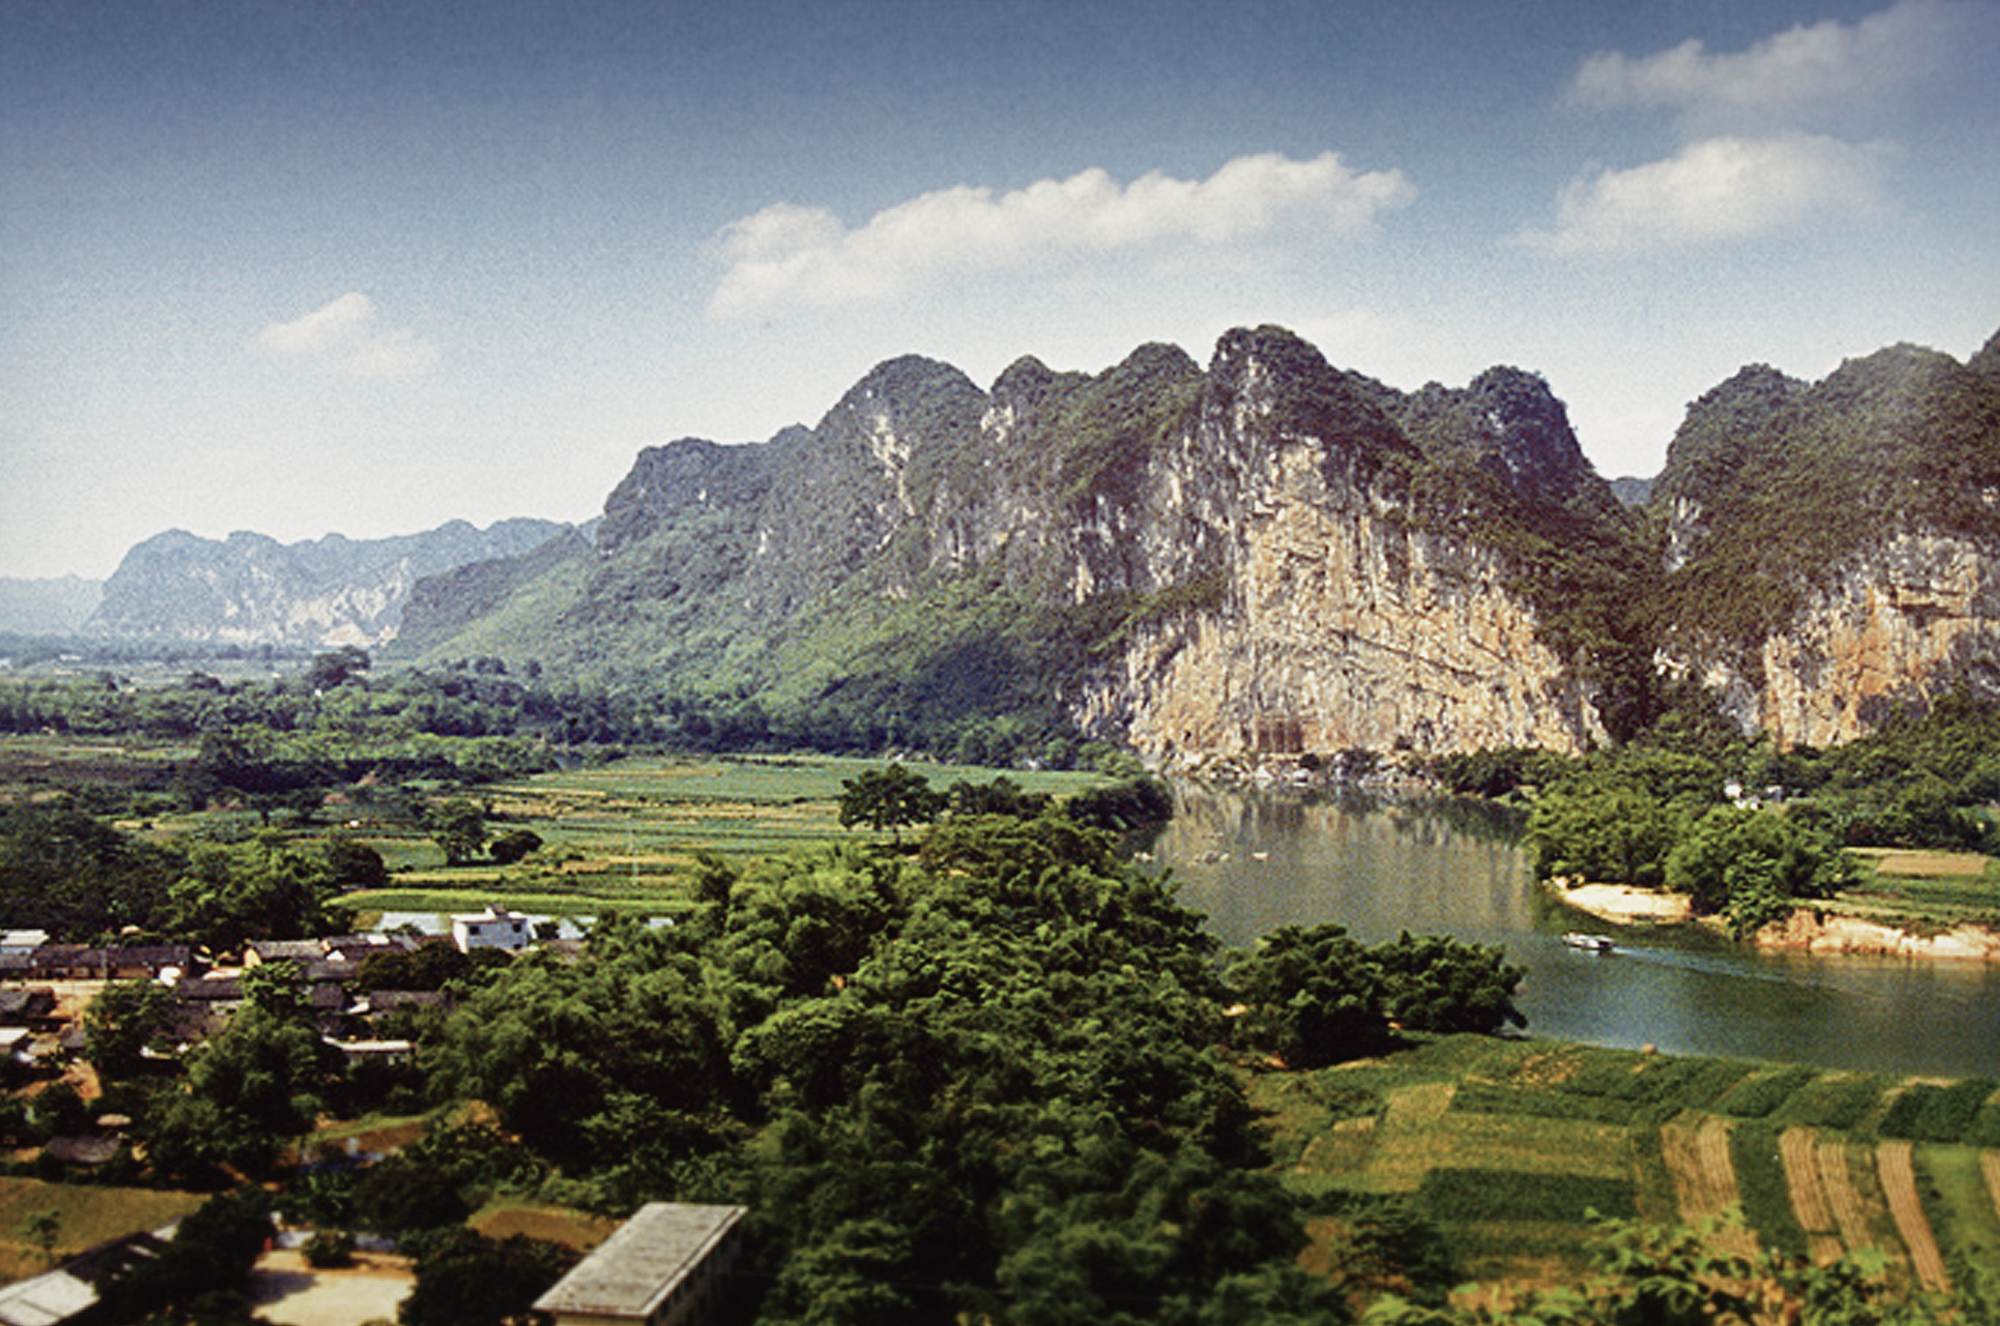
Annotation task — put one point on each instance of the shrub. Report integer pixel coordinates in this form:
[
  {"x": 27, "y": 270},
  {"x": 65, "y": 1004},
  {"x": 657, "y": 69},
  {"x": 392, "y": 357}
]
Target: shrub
[
  {"x": 1837, "y": 1101},
  {"x": 329, "y": 1248},
  {"x": 1756, "y": 1096},
  {"x": 514, "y": 845},
  {"x": 1476, "y": 1195}
]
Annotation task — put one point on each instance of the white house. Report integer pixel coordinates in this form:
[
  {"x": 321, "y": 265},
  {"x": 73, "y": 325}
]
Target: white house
[{"x": 496, "y": 927}]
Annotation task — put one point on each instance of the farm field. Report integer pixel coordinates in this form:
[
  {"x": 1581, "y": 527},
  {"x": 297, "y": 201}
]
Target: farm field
[
  {"x": 621, "y": 836},
  {"x": 1925, "y": 890},
  {"x": 1513, "y": 1148}
]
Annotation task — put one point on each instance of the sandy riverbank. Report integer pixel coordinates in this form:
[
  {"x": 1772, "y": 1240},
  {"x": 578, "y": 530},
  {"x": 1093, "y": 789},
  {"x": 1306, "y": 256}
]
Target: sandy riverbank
[
  {"x": 1804, "y": 931},
  {"x": 1622, "y": 904}
]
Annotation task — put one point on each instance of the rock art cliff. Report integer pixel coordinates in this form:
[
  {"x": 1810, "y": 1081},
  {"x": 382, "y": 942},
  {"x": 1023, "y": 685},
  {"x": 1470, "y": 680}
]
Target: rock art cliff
[{"x": 1268, "y": 555}]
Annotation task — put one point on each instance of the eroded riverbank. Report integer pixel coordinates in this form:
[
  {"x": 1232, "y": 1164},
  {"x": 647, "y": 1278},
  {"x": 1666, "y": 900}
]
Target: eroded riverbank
[{"x": 1804, "y": 931}]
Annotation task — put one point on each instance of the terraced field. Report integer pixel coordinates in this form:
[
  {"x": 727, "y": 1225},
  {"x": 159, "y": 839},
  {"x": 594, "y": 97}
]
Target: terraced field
[{"x": 1515, "y": 1148}]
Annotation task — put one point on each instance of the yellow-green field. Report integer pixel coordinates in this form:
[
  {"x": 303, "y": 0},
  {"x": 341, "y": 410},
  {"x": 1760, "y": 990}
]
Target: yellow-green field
[
  {"x": 1510, "y": 1146},
  {"x": 1924, "y": 890},
  {"x": 87, "y": 1216},
  {"x": 620, "y": 836}
]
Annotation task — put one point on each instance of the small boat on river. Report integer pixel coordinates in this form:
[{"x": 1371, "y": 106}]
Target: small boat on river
[{"x": 1592, "y": 943}]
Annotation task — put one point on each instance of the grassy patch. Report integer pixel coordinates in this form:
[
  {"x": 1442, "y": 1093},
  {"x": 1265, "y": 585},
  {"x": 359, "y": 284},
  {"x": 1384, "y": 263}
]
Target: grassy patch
[
  {"x": 577, "y": 1230},
  {"x": 1510, "y": 1143},
  {"x": 445, "y": 902},
  {"x": 1760, "y": 1183},
  {"x": 1897, "y": 862},
  {"x": 89, "y": 1214},
  {"x": 1924, "y": 891},
  {"x": 1838, "y": 1101},
  {"x": 1492, "y": 1098},
  {"x": 1959, "y": 1204},
  {"x": 1760, "y": 1094}
]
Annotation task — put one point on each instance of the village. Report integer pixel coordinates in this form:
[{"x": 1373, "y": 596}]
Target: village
[{"x": 667, "y": 1266}]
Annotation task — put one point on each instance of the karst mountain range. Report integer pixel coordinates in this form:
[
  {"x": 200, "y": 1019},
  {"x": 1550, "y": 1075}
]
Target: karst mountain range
[{"x": 1268, "y": 555}]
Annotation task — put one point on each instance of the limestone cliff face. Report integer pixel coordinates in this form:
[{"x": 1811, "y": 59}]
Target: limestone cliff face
[
  {"x": 1902, "y": 624},
  {"x": 1338, "y": 620},
  {"x": 1831, "y": 551},
  {"x": 1270, "y": 555},
  {"x": 1351, "y": 632},
  {"x": 1199, "y": 561}
]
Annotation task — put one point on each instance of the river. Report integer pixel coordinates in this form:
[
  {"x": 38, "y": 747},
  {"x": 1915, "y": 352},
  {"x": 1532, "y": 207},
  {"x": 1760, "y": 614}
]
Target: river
[{"x": 1254, "y": 861}]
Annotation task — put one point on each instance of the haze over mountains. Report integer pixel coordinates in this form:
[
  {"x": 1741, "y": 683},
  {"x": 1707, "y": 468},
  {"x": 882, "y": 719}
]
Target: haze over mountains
[
  {"x": 250, "y": 589},
  {"x": 1268, "y": 554}
]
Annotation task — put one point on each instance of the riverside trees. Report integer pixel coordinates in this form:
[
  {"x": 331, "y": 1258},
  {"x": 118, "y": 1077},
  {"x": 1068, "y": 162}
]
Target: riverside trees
[{"x": 990, "y": 1079}]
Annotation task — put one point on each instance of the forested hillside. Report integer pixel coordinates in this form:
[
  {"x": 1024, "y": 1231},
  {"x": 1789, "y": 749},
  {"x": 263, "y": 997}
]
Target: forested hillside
[
  {"x": 932, "y": 559},
  {"x": 1273, "y": 556}
]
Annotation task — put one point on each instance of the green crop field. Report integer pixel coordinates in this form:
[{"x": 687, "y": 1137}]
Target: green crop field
[
  {"x": 1924, "y": 890},
  {"x": 620, "y": 836},
  {"x": 1514, "y": 1148}
]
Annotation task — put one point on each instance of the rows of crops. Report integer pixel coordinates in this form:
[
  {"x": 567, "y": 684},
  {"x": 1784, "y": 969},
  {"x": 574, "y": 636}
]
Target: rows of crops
[{"x": 1516, "y": 1148}]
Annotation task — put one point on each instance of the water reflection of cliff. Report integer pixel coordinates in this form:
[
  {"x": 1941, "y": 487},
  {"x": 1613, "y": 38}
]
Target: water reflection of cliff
[{"x": 1254, "y": 860}]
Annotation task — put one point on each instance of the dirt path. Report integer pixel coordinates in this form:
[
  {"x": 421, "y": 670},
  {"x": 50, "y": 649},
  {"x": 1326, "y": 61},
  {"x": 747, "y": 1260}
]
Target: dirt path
[
  {"x": 286, "y": 1291},
  {"x": 1798, "y": 1147},
  {"x": 1704, "y": 1178},
  {"x": 1990, "y": 1162},
  {"x": 1899, "y": 1184}
]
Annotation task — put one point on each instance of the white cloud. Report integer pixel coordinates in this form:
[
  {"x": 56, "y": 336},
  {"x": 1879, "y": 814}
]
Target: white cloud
[
  {"x": 1717, "y": 189},
  {"x": 1798, "y": 75},
  {"x": 341, "y": 338},
  {"x": 786, "y": 252}
]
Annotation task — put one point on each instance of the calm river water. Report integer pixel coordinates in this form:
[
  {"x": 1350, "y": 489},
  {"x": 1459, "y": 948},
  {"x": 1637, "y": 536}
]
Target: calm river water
[{"x": 1255, "y": 861}]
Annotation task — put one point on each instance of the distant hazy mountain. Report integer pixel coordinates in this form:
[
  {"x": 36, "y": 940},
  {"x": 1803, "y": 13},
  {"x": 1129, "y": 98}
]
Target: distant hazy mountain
[
  {"x": 251, "y": 589},
  {"x": 47, "y": 607}
]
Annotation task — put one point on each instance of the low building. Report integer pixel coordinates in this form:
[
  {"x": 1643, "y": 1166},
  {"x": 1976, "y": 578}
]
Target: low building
[
  {"x": 33, "y": 1008},
  {"x": 301, "y": 951},
  {"x": 669, "y": 1265},
  {"x": 78, "y": 962},
  {"x": 496, "y": 927},
  {"x": 358, "y": 948},
  {"x": 20, "y": 943}
]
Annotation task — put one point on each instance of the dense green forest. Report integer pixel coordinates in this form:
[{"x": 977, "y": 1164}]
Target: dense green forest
[
  {"x": 993, "y": 1073},
  {"x": 1742, "y": 826}
]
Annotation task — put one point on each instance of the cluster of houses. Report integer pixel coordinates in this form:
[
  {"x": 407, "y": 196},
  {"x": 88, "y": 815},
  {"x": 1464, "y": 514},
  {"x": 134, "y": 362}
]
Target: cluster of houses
[
  {"x": 37, "y": 1026},
  {"x": 670, "y": 1265}
]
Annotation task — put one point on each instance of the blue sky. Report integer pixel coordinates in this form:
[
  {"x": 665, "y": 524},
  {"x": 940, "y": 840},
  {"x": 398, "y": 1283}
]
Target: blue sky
[{"x": 364, "y": 267}]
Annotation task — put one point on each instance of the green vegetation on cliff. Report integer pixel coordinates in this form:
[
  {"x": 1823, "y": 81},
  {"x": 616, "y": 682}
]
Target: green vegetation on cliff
[{"x": 1772, "y": 486}]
